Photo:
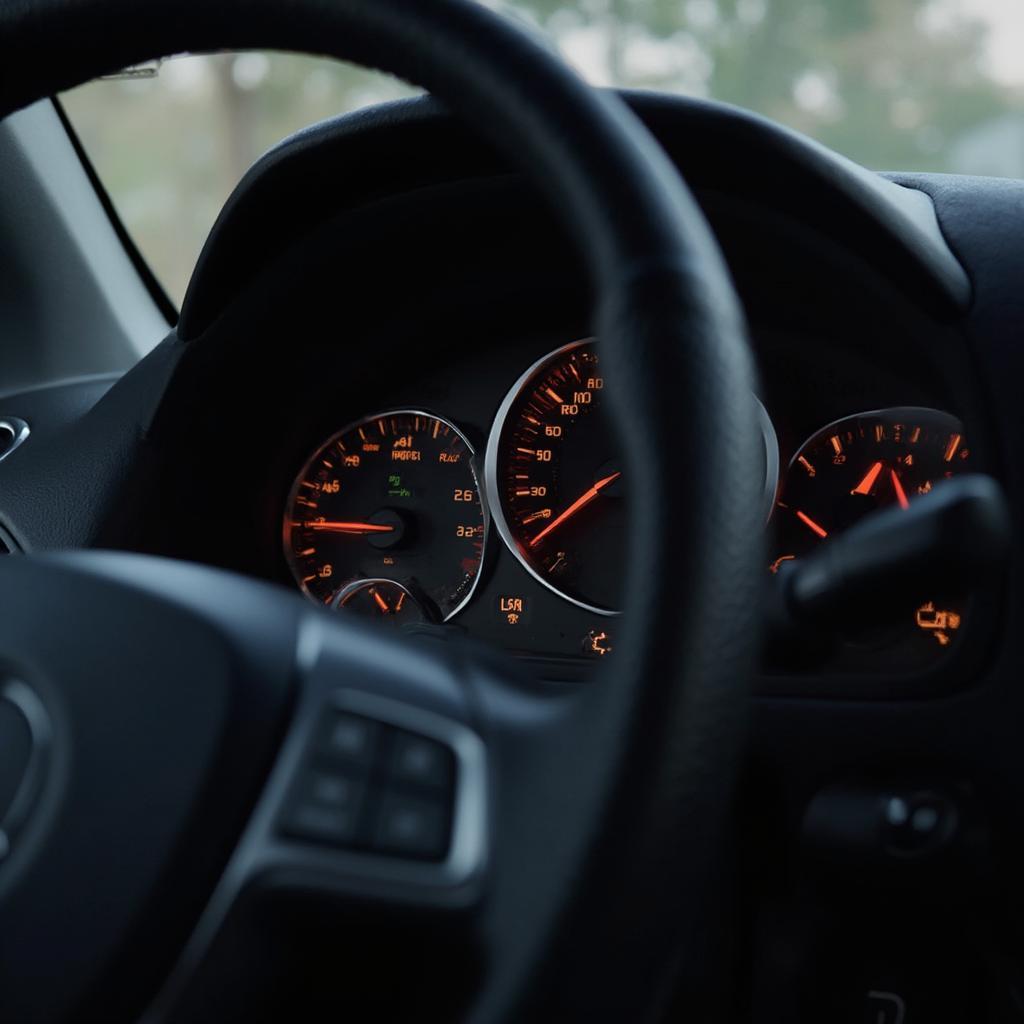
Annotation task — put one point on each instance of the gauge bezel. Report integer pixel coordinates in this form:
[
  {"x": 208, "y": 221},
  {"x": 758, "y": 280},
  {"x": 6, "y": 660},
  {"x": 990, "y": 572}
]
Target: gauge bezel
[
  {"x": 492, "y": 485},
  {"x": 892, "y": 412},
  {"x": 474, "y": 469}
]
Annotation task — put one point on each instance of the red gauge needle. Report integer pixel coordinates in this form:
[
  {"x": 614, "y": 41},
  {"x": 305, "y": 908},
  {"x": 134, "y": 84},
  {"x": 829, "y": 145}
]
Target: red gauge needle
[
  {"x": 809, "y": 522},
  {"x": 898, "y": 487},
  {"x": 381, "y": 603},
  {"x": 864, "y": 487},
  {"x": 581, "y": 502},
  {"x": 356, "y": 528}
]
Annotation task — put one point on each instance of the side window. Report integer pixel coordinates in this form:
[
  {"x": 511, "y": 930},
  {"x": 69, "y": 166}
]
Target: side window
[{"x": 170, "y": 148}]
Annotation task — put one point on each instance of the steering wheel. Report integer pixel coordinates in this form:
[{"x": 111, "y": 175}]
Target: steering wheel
[{"x": 176, "y": 714}]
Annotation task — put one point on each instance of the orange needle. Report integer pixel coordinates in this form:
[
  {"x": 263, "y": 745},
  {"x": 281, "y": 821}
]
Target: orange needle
[
  {"x": 381, "y": 603},
  {"x": 350, "y": 527},
  {"x": 864, "y": 487},
  {"x": 900, "y": 493},
  {"x": 805, "y": 518},
  {"x": 581, "y": 502}
]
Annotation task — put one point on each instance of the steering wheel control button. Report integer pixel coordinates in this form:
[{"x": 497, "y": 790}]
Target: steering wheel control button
[
  {"x": 369, "y": 786},
  {"x": 333, "y": 790},
  {"x": 349, "y": 737},
  {"x": 412, "y": 826},
  {"x": 420, "y": 761},
  {"x": 918, "y": 824},
  {"x": 322, "y": 824},
  {"x": 325, "y": 807}
]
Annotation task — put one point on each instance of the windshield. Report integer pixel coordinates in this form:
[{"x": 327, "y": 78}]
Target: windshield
[{"x": 893, "y": 84}]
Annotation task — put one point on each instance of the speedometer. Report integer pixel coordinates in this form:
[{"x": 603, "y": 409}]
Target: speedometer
[{"x": 555, "y": 484}]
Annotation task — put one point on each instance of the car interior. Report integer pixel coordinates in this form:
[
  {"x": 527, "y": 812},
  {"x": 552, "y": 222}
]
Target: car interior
[{"x": 557, "y": 564}]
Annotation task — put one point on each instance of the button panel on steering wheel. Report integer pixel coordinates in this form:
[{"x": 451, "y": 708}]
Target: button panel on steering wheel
[{"x": 367, "y": 785}]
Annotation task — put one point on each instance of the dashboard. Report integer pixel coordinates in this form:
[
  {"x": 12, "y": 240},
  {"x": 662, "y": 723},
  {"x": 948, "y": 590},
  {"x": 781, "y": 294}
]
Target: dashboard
[
  {"x": 407, "y": 517},
  {"x": 385, "y": 394},
  {"x": 403, "y": 418},
  {"x": 464, "y": 479}
]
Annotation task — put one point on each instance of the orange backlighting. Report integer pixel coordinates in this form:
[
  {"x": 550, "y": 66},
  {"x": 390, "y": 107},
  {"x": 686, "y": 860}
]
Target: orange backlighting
[
  {"x": 774, "y": 567},
  {"x": 901, "y": 495},
  {"x": 954, "y": 443},
  {"x": 354, "y": 528},
  {"x": 597, "y": 643},
  {"x": 810, "y": 523},
  {"x": 581, "y": 502},
  {"x": 864, "y": 487},
  {"x": 938, "y": 622}
]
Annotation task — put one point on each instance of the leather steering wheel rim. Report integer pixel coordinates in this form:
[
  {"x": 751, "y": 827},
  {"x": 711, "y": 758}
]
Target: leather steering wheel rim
[{"x": 656, "y": 740}]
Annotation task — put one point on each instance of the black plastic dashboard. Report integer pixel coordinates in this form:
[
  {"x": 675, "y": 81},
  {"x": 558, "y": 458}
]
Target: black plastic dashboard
[{"x": 387, "y": 261}]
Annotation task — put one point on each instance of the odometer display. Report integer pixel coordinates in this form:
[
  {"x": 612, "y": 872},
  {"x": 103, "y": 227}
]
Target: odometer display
[{"x": 393, "y": 497}]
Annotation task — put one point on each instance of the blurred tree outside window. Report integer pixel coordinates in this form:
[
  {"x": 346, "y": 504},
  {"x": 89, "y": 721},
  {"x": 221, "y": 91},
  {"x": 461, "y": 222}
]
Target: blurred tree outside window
[{"x": 934, "y": 85}]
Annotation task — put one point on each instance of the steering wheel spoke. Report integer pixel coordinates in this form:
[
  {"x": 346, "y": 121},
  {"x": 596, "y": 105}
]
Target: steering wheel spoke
[{"x": 380, "y": 788}]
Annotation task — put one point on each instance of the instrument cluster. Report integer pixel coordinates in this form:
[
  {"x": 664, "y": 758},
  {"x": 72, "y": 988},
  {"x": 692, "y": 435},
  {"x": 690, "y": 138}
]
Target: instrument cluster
[{"x": 398, "y": 517}]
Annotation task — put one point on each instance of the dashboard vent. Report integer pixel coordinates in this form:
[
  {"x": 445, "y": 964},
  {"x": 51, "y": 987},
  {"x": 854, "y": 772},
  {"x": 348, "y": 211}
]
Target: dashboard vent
[{"x": 13, "y": 432}]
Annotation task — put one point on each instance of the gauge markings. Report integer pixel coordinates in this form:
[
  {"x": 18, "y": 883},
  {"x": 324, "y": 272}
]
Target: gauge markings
[
  {"x": 403, "y": 512},
  {"x": 811, "y": 524},
  {"x": 881, "y": 459},
  {"x": 544, "y": 513},
  {"x": 553, "y": 456}
]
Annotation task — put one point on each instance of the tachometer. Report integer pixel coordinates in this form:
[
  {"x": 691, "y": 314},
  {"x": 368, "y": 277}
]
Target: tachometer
[
  {"x": 392, "y": 498},
  {"x": 853, "y": 466},
  {"x": 555, "y": 484}
]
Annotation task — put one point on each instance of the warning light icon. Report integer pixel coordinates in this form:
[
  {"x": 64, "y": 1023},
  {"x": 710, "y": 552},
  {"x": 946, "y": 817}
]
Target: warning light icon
[
  {"x": 597, "y": 644},
  {"x": 938, "y": 622}
]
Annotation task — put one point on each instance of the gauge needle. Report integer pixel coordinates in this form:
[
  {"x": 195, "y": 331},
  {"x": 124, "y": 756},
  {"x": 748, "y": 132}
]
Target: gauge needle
[
  {"x": 381, "y": 603},
  {"x": 581, "y": 502},
  {"x": 864, "y": 487},
  {"x": 898, "y": 487},
  {"x": 357, "y": 528}
]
